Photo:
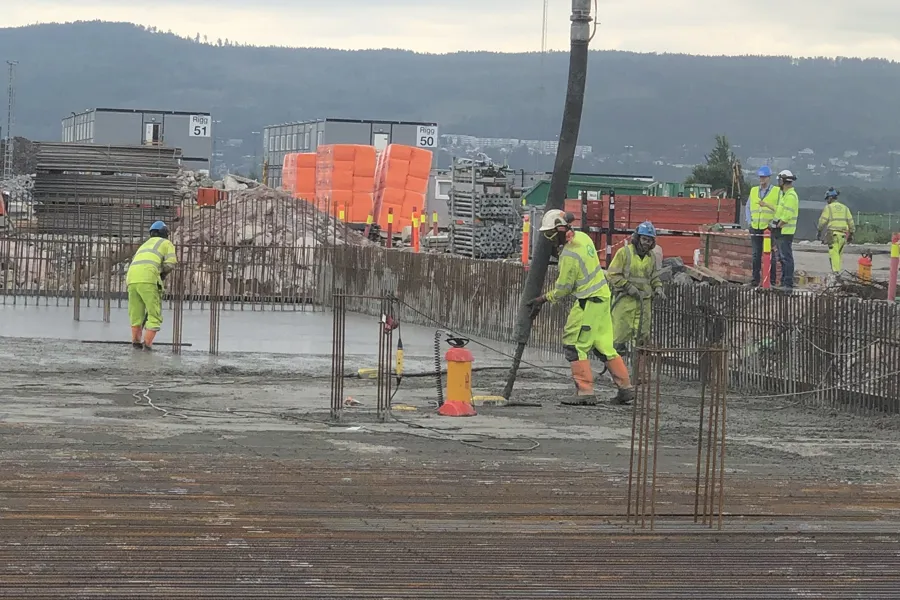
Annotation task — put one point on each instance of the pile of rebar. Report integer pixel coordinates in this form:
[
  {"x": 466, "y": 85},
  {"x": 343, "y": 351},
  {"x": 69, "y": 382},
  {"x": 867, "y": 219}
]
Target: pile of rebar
[{"x": 77, "y": 184}]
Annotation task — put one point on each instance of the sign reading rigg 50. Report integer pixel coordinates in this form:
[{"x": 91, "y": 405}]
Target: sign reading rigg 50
[
  {"x": 200, "y": 126},
  {"x": 427, "y": 136}
]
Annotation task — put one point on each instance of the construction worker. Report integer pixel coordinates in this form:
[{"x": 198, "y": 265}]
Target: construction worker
[
  {"x": 589, "y": 326},
  {"x": 761, "y": 210},
  {"x": 836, "y": 228},
  {"x": 634, "y": 277},
  {"x": 152, "y": 262},
  {"x": 784, "y": 226}
]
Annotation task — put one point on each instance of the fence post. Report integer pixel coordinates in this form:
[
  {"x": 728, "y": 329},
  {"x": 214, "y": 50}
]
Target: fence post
[
  {"x": 415, "y": 230},
  {"x": 895, "y": 263},
  {"x": 767, "y": 259},
  {"x": 390, "y": 229},
  {"x": 526, "y": 242}
]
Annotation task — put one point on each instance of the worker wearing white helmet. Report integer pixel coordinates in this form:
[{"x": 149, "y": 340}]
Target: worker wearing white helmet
[
  {"x": 589, "y": 326},
  {"x": 784, "y": 226}
]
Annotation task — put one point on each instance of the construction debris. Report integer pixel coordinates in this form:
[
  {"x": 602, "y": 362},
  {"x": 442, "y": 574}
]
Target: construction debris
[
  {"x": 191, "y": 181},
  {"x": 270, "y": 237}
]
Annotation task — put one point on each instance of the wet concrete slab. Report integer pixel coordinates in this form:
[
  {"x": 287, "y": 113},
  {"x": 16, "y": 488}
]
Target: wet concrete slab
[{"x": 270, "y": 331}]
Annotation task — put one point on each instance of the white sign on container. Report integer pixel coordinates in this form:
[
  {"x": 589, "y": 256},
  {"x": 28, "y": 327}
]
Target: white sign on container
[
  {"x": 148, "y": 133},
  {"x": 427, "y": 136},
  {"x": 200, "y": 126}
]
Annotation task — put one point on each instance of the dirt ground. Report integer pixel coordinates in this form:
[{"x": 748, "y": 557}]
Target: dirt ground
[{"x": 146, "y": 475}]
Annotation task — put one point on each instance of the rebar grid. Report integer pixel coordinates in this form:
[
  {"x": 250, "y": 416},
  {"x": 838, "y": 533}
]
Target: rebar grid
[{"x": 645, "y": 429}]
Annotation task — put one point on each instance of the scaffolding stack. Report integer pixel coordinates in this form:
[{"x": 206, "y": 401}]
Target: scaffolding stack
[{"x": 484, "y": 210}]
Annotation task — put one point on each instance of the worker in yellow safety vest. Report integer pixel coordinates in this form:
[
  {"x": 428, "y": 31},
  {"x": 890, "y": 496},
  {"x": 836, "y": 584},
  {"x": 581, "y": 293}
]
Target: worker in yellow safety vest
[
  {"x": 634, "y": 278},
  {"x": 784, "y": 226},
  {"x": 152, "y": 262},
  {"x": 760, "y": 211},
  {"x": 836, "y": 228},
  {"x": 589, "y": 326}
]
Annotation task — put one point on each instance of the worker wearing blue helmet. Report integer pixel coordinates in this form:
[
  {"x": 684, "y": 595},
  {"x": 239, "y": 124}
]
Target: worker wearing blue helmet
[
  {"x": 634, "y": 278},
  {"x": 761, "y": 210},
  {"x": 152, "y": 262}
]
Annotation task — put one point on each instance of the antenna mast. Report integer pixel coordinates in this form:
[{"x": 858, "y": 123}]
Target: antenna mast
[{"x": 8, "y": 156}]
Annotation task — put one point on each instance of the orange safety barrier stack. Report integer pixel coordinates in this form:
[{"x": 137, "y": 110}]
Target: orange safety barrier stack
[
  {"x": 289, "y": 172},
  {"x": 674, "y": 214},
  {"x": 305, "y": 176},
  {"x": 345, "y": 177},
  {"x": 401, "y": 183}
]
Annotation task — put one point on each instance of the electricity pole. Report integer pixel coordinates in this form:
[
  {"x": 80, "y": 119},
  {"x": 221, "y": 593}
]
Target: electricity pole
[
  {"x": 8, "y": 156},
  {"x": 565, "y": 155}
]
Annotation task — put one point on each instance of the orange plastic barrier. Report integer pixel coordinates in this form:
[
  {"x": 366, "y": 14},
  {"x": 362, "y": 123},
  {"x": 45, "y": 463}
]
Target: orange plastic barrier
[
  {"x": 305, "y": 178},
  {"x": 345, "y": 178},
  {"x": 401, "y": 183},
  {"x": 289, "y": 172}
]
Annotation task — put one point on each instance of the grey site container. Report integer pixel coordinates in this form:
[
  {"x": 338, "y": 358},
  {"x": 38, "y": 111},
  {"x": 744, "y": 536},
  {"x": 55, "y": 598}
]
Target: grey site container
[
  {"x": 192, "y": 132},
  {"x": 307, "y": 136}
]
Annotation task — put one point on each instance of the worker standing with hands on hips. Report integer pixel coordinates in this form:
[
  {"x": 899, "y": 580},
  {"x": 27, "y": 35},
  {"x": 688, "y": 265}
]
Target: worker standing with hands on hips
[
  {"x": 784, "y": 226},
  {"x": 589, "y": 326},
  {"x": 836, "y": 228},
  {"x": 152, "y": 262},
  {"x": 761, "y": 210},
  {"x": 634, "y": 278}
]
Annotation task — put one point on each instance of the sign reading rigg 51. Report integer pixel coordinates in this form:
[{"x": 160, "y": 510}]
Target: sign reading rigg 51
[
  {"x": 427, "y": 136},
  {"x": 200, "y": 126}
]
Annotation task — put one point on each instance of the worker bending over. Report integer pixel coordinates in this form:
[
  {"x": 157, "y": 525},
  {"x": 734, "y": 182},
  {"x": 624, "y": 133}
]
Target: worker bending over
[
  {"x": 634, "y": 278},
  {"x": 836, "y": 228},
  {"x": 589, "y": 326},
  {"x": 152, "y": 262}
]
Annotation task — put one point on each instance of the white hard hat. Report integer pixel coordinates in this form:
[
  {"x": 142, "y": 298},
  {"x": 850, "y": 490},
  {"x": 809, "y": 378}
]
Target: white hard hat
[
  {"x": 552, "y": 219},
  {"x": 786, "y": 175}
]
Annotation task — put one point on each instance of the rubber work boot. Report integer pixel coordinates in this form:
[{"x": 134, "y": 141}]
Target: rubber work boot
[
  {"x": 136, "y": 337},
  {"x": 584, "y": 383},
  {"x": 624, "y": 397},
  {"x": 149, "y": 336},
  {"x": 619, "y": 372}
]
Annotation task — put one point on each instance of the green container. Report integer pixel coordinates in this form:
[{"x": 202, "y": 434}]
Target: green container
[{"x": 602, "y": 184}]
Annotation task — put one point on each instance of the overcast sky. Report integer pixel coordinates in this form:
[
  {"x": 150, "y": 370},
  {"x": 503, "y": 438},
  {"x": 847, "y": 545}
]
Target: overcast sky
[{"x": 794, "y": 27}]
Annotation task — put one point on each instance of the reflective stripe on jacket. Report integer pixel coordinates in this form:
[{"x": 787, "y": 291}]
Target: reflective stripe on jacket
[
  {"x": 788, "y": 207},
  {"x": 760, "y": 216},
  {"x": 580, "y": 272},
  {"x": 837, "y": 217},
  {"x": 151, "y": 259},
  {"x": 628, "y": 268}
]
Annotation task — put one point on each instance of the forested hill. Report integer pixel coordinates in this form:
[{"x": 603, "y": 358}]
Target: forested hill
[{"x": 669, "y": 105}]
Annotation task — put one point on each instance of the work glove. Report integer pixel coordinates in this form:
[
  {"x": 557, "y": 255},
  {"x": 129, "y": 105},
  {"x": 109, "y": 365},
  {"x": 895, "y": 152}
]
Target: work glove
[
  {"x": 659, "y": 293},
  {"x": 632, "y": 291},
  {"x": 849, "y": 238},
  {"x": 535, "y": 306}
]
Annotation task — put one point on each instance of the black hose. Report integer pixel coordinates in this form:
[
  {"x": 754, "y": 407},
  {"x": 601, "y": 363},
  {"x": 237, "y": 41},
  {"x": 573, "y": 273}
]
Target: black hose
[{"x": 437, "y": 367}]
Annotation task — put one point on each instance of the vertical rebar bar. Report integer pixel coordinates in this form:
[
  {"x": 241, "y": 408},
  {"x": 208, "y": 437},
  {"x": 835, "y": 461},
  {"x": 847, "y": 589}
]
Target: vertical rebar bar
[
  {"x": 337, "y": 354},
  {"x": 76, "y": 284}
]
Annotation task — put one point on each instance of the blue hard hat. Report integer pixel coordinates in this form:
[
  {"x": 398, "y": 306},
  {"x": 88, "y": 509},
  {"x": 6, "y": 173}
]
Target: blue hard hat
[
  {"x": 646, "y": 228},
  {"x": 764, "y": 171},
  {"x": 832, "y": 193},
  {"x": 158, "y": 226}
]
